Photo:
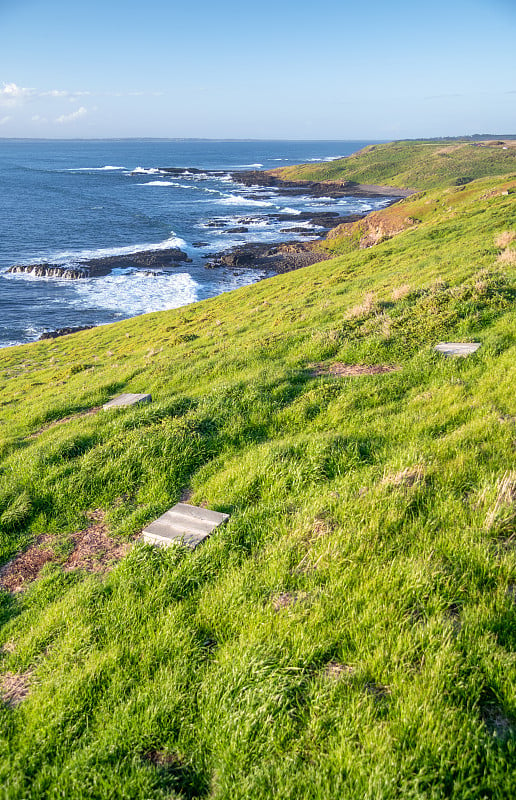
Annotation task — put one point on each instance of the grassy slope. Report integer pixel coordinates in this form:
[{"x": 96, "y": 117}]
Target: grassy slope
[
  {"x": 419, "y": 164},
  {"x": 375, "y": 504}
]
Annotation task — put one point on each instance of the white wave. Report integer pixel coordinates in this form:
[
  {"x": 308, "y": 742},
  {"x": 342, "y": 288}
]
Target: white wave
[
  {"x": 326, "y": 158},
  {"x": 160, "y": 183},
  {"x": 248, "y": 166},
  {"x": 190, "y": 186},
  {"x": 76, "y": 256},
  {"x": 288, "y": 210},
  {"x": 145, "y": 171},
  {"x": 133, "y": 292},
  {"x": 239, "y": 200},
  {"x": 92, "y": 169}
]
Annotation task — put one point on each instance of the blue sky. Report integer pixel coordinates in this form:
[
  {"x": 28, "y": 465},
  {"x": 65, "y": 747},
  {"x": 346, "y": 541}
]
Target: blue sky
[{"x": 273, "y": 69}]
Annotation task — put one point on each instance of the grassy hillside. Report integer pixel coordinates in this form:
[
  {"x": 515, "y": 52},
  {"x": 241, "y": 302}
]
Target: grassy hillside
[
  {"x": 413, "y": 165},
  {"x": 351, "y": 632}
]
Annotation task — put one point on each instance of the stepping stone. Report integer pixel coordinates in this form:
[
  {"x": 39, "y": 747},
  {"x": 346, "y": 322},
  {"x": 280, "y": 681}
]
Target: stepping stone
[
  {"x": 457, "y": 348},
  {"x": 183, "y": 524},
  {"x": 127, "y": 400}
]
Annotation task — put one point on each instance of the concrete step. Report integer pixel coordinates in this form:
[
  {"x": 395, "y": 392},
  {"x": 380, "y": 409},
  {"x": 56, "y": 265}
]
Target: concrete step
[
  {"x": 127, "y": 400},
  {"x": 183, "y": 524},
  {"x": 457, "y": 348}
]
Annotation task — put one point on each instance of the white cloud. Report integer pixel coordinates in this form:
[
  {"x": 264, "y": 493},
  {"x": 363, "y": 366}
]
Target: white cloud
[
  {"x": 37, "y": 118},
  {"x": 73, "y": 116},
  {"x": 4, "y": 120},
  {"x": 11, "y": 93}
]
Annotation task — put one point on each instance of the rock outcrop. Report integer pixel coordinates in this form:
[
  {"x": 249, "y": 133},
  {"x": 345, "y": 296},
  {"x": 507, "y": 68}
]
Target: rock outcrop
[
  {"x": 96, "y": 267},
  {"x": 64, "y": 332},
  {"x": 50, "y": 271}
]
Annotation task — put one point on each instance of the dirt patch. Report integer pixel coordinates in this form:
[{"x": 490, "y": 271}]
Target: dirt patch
[
  {"x": 160, "y": 758},
  {"x": 93, "y": 550},
  {"x": 378, "y": 690},
  {"x": 335, "y": 671},
  {"x": 26, "y": 566},
  {"x": 497, "y": 723},
  {"x": 287, "y": 599},
  {"x": 339, "y": 370},
  {"x": 14, "y": 687},
  {"x": 57, "y": 422}
]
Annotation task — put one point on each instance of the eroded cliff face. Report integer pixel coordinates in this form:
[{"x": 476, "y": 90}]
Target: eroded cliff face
[{"x": 374, "y": 228}]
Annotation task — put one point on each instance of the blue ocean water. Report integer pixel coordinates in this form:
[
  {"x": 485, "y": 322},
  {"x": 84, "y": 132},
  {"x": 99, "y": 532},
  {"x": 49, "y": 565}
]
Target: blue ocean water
[{"x": 65, "y": 201}]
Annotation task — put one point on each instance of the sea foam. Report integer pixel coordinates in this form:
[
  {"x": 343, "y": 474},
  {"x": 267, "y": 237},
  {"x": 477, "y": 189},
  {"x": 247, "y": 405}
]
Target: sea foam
[
  {"x": 93, "y": 169},
  {"x": 239, "y": 200},
  {"x": 134, "y": 292},
  {"x": 146, "y": 171}
]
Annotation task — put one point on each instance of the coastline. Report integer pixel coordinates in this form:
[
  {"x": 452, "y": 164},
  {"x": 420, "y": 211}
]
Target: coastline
[
  {"x": 321, "y": 188},
  {"x": 269, "y": 258}
]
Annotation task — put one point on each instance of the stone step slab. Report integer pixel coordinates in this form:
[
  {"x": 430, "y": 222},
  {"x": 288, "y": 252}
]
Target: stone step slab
[
  {"x": 127, "y": 400},
  {"x": 457, "y": 348},
  {"x": 183, "y": 524}
]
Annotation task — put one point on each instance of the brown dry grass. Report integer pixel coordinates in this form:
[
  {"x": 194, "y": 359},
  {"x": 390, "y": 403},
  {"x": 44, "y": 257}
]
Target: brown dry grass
[
  {"x": 504, "y": 239},
  {"x": 367, "y": 306},
  {"x": 503, "y": 511},
  {"x": 507, "y": 257},
  {"x": 410, "y": 476},
  {"x": 399, "y": 292}
]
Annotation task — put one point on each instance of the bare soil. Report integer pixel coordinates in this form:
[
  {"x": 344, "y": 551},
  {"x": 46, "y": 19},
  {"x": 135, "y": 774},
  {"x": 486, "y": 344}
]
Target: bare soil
[
  {"x": 341, "y": 370},
  {"x": 14, "y": 687},
  {"x": 62, "y": 421},
  {"x": 94, "y": 551}
]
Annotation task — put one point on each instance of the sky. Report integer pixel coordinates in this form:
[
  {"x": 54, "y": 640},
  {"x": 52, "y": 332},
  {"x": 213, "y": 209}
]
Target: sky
[{"x": 274, "y": 69}]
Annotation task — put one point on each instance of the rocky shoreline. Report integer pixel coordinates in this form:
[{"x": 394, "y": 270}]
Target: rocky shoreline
[
  {"x": 319, "y": 188},
  {"x": 99, "y": 267},
  {"x": 270, "y": 258}
]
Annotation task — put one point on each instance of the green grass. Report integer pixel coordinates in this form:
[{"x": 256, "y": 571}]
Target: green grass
[
  {"x": 414, "y": 164},
  {"x": 350, "y": 632}
]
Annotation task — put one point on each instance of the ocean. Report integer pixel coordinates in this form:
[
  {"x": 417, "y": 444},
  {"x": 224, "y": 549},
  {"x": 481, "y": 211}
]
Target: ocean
[{"x": 66, "y": 201}]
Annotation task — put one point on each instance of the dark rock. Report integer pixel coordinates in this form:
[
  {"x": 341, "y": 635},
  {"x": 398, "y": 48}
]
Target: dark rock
[
  {"x": 64, "y": 332},
  {"x": 200, "y": 244},
  {"x": 95, "y": 267},
  {"x": 302, "y": 231},
  {"x": 316, "y": 188},
  {"x": 237, "y": 230},
  {"x": 269, "y": 258},
  {"x": 50, "y": 271}
]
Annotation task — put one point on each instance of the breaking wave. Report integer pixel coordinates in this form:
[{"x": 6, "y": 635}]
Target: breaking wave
[
  {"x": 135, "y": 292},
  {"x": 76, "y": 256},
  {"x": 93, "y": 169},
  {"x": 239, "y": 200}
]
